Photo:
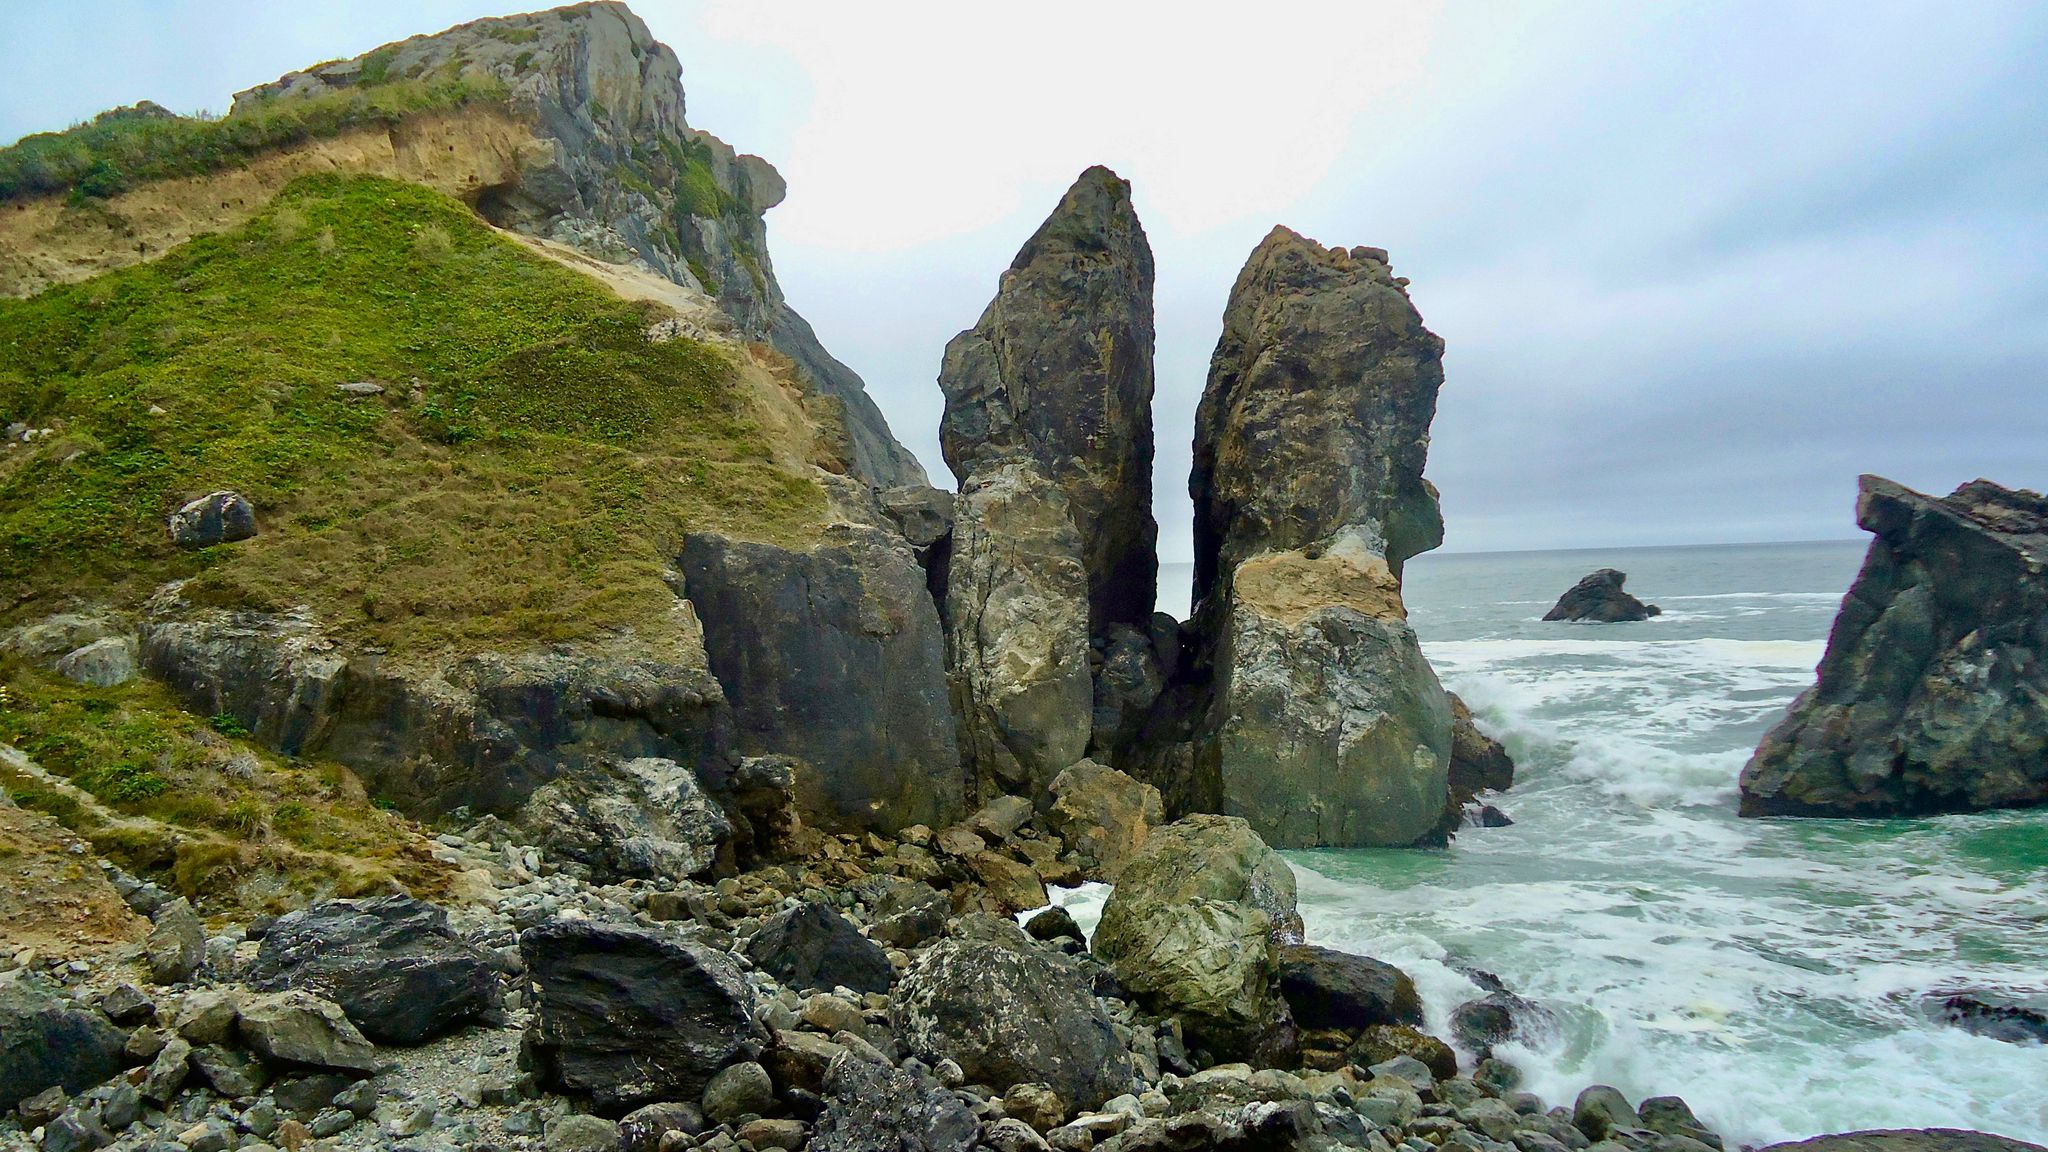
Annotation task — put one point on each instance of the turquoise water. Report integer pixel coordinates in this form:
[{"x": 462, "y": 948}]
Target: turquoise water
[{"x": 1771, "y": 972}]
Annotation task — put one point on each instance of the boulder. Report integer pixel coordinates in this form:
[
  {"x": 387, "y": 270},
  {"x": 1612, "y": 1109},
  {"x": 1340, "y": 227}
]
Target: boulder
[
  {"x": 813, "y": 947},
  {"x": 176, "y": 946},
  {"x": 762, "y": 805},
  {"x": 1478, "y": 762},
  {"x": 47, "y": 1041},
  {"x": 1058, "y": 373},
  {"x": 1190, "y": 930},
  {"x": 103, "y": 663},
  {"x": 1908, "y": 1140},
  {"x": 872, "y": 1105},
  {"x": 1104, "y": 815},
  {"x": 1933, "y": 694},
  {"x": 1017, "y": 631},
  {"x": 630, "y": 1016},
  {"x": 2012, "y": 1023},
  {"x": 641, "y": 1130},
  {"x": 1319, "y": 720},
  {"x": 1379, "y": 1043},
  {"x": 215, "y": 518},
  {"x": 737, "y": 1091},
  {"x": 904, "y": 913},
  {"x": 1009, "y": 1015},
  {"x": 646, "y": 818},
  {"x": 834, "y": 655},
  {"x": 1326, "y": 988},
  {"x": 391, "y": 963},
  {"x": 302, "y": 1028},
  {"x": 1012, "y": 884},
  {"x": 1598, "y": 598}
]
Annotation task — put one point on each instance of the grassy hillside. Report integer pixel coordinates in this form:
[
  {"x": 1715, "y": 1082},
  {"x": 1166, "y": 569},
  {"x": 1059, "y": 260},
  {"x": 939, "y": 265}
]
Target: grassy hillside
[{"x": 526, "y": 475}]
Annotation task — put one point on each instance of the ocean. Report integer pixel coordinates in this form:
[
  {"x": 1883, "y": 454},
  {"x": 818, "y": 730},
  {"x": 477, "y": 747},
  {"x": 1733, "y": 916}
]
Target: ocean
[{"x": 1773, "y": 972}]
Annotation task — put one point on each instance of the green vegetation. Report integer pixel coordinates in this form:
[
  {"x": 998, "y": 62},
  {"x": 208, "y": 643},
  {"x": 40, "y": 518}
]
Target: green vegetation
[
  {"x": 213, "y": 816},
  {"x": 527, "y": 474},
  {"x": 117, "y": 150}
]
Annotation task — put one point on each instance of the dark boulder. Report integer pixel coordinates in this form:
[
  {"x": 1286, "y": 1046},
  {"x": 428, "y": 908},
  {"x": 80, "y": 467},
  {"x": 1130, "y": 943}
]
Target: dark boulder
[
  {"x": 392, "y": 963},
  {"x": 814, "y": 947},
  {"x": 48, "y": 1041},
  {"x": 1330, "y": 989},
  {"x": 872, "y": 1106},
  {"x": 1908, "y": 1140},
  {"x": 833, "y": 655},
  {"x": 1011, "y": 1014},
  {"x": 215, "y": 518},
  {"x": 1933, "y": 694},
  {"x": 2012, "y": 1023},
  {"x": 631, "y": 1016},
  {"x": 1598, "y": 598}
]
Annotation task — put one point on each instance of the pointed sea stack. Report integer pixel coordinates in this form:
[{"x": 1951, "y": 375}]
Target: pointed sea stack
[
  {"x": 1933, "y": 695},
  {"x": 1048, "y": 426},
  {"x": 1323, "y": 723}
]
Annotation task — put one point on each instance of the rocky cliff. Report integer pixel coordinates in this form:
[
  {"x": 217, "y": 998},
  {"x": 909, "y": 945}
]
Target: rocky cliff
[
  {"x": 1930, "y": 697},
  {"x": 1318, "y": 719}
]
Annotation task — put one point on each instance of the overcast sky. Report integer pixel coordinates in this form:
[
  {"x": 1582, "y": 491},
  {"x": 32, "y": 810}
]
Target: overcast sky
[{"x": 1697, "y": 265}]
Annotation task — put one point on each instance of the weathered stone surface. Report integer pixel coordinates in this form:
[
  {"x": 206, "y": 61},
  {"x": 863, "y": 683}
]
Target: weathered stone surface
[
  {"x": 761, "y": 795},
  {"x": 1933, "y": 694},
  {"x": 301, "y": 1028},
  {"x": 924, "y": 515},
  {"x": 1104, "y": 814},
  {"x": 215, "y": 518},
  {"x": 1478, "y": 762},
  {"x": 814, "y": 947},
  {"x": 177, "y": 943},
  {"x": 834, "y": 655},
  {"x": 1017, "y": 631},
  {"x": 1011, "y": 1015},
  {"x": 1189, "y": 929},
  {"x": 1322, "y": 723},
  {"x": 1598, "y": 598},
  {"x": 630, "y": 1016},
  {"x": 1058, "y": 371},
  {"x": 1908, "y": 1140},
  {"x": 1326, "y": 988},
  {"x": 392, "y": 963},
  {"x": 870, "y": 1105},
  {"x": 1014, "y": 885},
  {"x": 103, "y": 663},
  {"x": 647, "y": 817},
  {"x": 1380, "y": 1043},
  {"x": 737, "y": 1091},
  {"x": 47, "y": 1041}
]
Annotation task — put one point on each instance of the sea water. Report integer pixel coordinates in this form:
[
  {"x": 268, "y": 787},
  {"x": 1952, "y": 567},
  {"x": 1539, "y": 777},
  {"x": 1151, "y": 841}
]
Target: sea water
[{"x": 1775, "y": 973}]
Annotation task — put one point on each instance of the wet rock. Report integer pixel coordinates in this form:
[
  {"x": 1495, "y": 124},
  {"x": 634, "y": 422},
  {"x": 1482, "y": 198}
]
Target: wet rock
[
  {"x": 630, "y": 1016},
  {"x": 1601, "y": 1111},
  {"x": 647, "y": 817},
  {"x": 177, "y": 943},
  {"x": 215, "y": 518},
  {"x": 739, "y": 1090},
  {"x": 1189, "y": 930},
  {"x": 1055, "y": 923},
  {"x": 834, "y": 655},
  {"x": 1673, "y": 1117},
  {"x": 814, "y": 947},
  {"x": 1383, "y": 1042},
  {"x": 302, "y": 1028},
  {"x": 1009, "y": 1015},
  {"x": 1478, "y": 762},
  {"x": 1320, "y": 722},
  {"x": 47, "y": 1041},
  {"x": 2012, "y": 1023},
  {"x": 1933, "y": 694},
  {"x": 1104, "y": 814},
  {"x": 392, "y": 963},
  {"x": 1598, "y": 598},
  {"x": 871, "y": 1105},
  {"x": 1326, "y": 988}
]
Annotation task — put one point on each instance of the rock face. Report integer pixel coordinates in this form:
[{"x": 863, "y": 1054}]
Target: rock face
[
  {"x": 1318, "y": 720},
  {"x": 615, "y": 170},
  {"x": 1011, "y": 1014},
  {"x": 834, "y": 656},
  {"x": 1598, "y": 598},
  {"x": 1933, "y": 694},
  {"x": 1190, "y": 929},
  {"x": 1017, "y": 636},
  {"x": 46, "y": 1041},
  {"x": 630, "y": 1016},
  {"x": 392, "y": 964},
  {"x": 1058, "y": 372},
  {"x": 647, "y": 817}
]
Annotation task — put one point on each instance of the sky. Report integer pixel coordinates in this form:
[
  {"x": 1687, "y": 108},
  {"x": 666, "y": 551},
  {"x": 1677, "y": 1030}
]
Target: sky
[{"x": 1697, "y": 266}]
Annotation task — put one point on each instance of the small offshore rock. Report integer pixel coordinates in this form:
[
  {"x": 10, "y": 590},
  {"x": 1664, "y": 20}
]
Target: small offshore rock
[
  {"x": 1331, "y": 989},
  {"x": 1598, "y": 598},
  {"x": 1054, "y": 923}
]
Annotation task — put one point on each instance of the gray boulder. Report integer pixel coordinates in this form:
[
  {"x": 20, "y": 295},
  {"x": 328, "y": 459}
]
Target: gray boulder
[
  {"x": 647, "y": 818},
  {"x": 176, "y": 946},
  {"x": 871, "y": 1105},
  {"x": 813, "y": 947},
  {"x": 302, "y": 1028},
  {"x": 1933, "y": 694},
  {"x": 1011, "y": 1014},
  {"x": 48, "y": 1041},
  {"x": 1320, "y": 722},
  {"x": 630, "y": 1016},
  {"x": 834, "y": 655},
  {"x": 392, "y": 964},
  {"x": 215, "y": 518},
  {"x": 104, "y": 663},
  {"x": 1598, "y": 598}
]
